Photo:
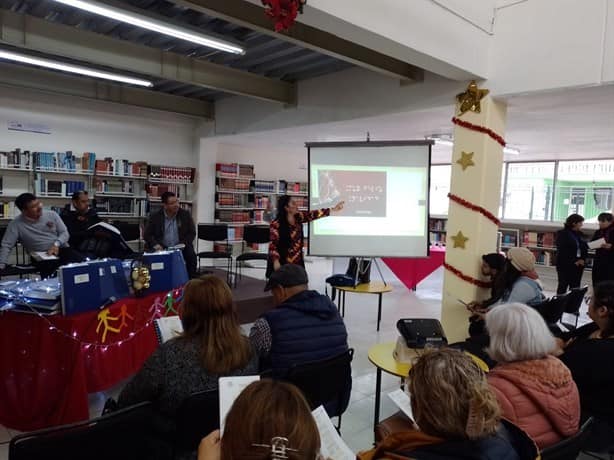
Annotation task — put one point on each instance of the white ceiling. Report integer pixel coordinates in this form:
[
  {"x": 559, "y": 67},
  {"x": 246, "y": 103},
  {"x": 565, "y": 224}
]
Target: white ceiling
[{"x": 570, "y": 124}]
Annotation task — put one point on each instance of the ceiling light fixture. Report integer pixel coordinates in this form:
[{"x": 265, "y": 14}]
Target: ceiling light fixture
[
  {"x": 446, "y": 139},
  {"x": 57, "y": 65},
  {"x": 154, "y": 25}
]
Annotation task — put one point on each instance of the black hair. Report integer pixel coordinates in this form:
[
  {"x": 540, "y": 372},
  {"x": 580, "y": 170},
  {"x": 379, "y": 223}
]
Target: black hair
[
  {"x": 166, "y": 195},
  {"x": 284, "y": 227},
  {"x": 572, "y": 220},
  {"x": 76, "y": 195},
  {"x": 603, "y": 296},
  {"x": 510, "y": 276},
  {"x": 23, "y": 200},
  {"x": 605, "y": 217}
]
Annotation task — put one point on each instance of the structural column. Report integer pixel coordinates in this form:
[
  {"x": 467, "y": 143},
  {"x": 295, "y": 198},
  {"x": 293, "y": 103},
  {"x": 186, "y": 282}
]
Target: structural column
[{"x": 475, "y": 193}]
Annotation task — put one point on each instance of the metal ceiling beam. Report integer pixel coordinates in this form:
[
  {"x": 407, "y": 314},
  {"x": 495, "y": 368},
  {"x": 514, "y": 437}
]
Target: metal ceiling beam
[
  {"x": 253, "y": 17},
  {"x": 55, "y": 82},
  {"x": 39, "y": 35}
]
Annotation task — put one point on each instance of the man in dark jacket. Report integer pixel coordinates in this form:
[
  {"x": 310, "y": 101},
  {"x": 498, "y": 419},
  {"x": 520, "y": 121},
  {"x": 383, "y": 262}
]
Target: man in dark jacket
[
  {"x": 305, "y": 326},
  {"x": 78, "y": 217},
  {"x": 172, "y": 226}
]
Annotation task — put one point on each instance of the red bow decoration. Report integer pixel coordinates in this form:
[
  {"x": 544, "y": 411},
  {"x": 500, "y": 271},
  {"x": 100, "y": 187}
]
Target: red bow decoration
[{"x": 283, "y": 12}]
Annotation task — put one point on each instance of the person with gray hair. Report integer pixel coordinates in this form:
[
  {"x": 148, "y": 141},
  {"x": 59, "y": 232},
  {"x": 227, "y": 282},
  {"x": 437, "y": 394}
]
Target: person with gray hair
[{"x": 535, "y": 390}]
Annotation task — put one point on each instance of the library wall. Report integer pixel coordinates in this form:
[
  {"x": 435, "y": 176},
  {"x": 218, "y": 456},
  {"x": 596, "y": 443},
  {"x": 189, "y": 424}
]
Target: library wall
[{"x": 107, "y": 129}]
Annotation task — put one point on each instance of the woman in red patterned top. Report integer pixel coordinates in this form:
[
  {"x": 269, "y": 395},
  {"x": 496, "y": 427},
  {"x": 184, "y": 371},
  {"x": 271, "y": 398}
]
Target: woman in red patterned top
[{"x": 286, "y": 246}]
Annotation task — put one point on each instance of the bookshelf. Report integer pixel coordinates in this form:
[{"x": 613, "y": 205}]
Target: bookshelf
[{"x": 437, "y": 230}]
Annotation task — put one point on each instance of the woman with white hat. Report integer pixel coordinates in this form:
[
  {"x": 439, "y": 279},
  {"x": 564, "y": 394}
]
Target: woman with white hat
[{"x": 521, "y": 281}]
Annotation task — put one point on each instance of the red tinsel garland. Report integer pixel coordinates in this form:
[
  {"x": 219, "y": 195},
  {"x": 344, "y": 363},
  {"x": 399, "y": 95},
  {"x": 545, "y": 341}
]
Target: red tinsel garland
[
  {"x": 480, "y": 129},
  {"x": 474, "y": 207},
  {"x": 467, "y": 278},
  {"x": 283, "y": 12}
]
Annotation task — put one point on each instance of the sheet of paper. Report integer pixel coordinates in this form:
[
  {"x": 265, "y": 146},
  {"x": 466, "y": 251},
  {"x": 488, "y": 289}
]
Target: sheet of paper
[
  {"x": 42, "y": 255},
  {"x": 230, "y": 388},
  {"x": 401, "y": 399},
  {"x": 169, "y": 327},
  {"x": 596, "y": 244},
  {"x": 331, "y": 444}
]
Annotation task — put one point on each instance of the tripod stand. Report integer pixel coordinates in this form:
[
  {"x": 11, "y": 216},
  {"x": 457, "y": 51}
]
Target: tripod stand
[{"x": 360, "y": 271}]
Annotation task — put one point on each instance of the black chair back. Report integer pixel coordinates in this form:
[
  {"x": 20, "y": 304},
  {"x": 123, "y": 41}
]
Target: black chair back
[
  {"x": 256, "y": 234},
  {"x": 552, "y": 309},
  {"x": 196, "y": 417},
  {"x": 574, "y": 300},
  {"x": 569, "y": 448},
  {"x": 212, "y": 232},
  {"x": 130, "y": 231},
  {"x": 327, "y": 382},
  {"x": 122, "y": 435}
]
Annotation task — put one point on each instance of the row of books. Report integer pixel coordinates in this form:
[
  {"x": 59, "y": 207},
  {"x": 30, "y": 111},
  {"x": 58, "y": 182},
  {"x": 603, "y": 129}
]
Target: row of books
[
  {"x": 231, "y": 199},
  {"x": 262, "y": 202},
  {"x": 115, "y": 186},
  {"x": 156, "y": 190},
  {"x": 17, "y": 159},
  {"x": 293, "y": 187},
  {"x": 264, "y": 186},
  {"x": 7, "y": 209},
  {"x": 235, "y": 169},
  {"x": 65, "y": 188},
  {"x": 121, "y": 167},
  {"x": 542, "y": 239},
  {"x": 180, "y": 174},
  {"x": 231, "y": 183},
  {"x": 64, "y": 161},
  {"x": 120, "y": 205},
  {"x": 437, "y": 238},
  {"x": 233, "y": 216}
]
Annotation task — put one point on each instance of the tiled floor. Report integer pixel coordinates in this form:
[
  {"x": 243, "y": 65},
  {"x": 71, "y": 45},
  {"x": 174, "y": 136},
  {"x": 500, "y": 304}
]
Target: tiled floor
[{"x": 360, "y": 319}]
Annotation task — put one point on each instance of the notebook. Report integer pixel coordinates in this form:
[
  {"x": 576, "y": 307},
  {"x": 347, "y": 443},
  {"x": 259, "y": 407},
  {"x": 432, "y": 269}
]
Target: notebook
[{"x": 167, "y": 328}]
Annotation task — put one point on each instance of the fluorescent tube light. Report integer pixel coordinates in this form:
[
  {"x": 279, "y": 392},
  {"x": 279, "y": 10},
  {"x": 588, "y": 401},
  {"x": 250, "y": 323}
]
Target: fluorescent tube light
[
  {"x": 57, "y": 65},
  {"x": 511, "y": 151},
  {"x": 145, "y": 22},
  {"x": 447, "y": 140}
]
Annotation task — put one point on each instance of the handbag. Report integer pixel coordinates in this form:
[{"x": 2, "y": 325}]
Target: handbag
[{"x": 360, "y": 272}]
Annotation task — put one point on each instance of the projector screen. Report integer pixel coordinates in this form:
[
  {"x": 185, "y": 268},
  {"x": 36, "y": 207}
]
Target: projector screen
[{"x": 385, "y": 187}]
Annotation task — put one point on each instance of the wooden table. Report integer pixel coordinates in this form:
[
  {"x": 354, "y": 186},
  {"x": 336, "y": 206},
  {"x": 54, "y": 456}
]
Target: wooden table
[
  {"x": 374, "y": 287},
  {"x": 382, "y": 358}
]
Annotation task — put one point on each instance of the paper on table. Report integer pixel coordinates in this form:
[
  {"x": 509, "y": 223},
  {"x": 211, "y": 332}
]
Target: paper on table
[
  {"x": 42, "y": 255},
  {"x": 401, "y": 399},
  {"x": 596, "y": 244},
  {"x": 331, "y": 444},
  {"x": 230, "y": 388}
]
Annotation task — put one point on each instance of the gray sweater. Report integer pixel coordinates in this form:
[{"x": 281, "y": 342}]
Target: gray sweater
[{"x": 36, "y": 235}]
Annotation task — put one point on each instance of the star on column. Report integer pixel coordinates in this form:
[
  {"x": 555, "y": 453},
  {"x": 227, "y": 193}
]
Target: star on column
[
  {"x": 466, "y": 160},
  {"x": 460, "y": 240},
  {"x": 470, "y": 99}
]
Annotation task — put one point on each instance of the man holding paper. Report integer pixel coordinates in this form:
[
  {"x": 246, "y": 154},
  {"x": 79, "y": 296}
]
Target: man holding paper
[
  {"x": 602, "y": 241},
  {"x": 42, "y": 233}
]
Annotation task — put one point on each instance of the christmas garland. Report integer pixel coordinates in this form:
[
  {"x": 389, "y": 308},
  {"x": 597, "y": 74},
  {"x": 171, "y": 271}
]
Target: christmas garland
[
  {"x": 467, "y": 278},
  {"x": 283, "y": 12},
  {"x": 474, "y": 207},
  {"x": 480, "y": 129}
]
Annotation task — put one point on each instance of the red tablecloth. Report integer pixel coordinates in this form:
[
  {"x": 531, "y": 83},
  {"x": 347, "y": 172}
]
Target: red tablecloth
[
  {"x": 49, "y": 365},
  {"x": 411, "y": 271}
]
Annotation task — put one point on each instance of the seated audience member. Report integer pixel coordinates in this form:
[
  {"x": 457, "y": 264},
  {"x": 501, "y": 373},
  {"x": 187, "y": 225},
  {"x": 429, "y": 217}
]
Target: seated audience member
[
  {"x": 535, "y": 390},
  {"x": 170, "y": 227},
  {"x": 589, "y": 353},
  {"x": 211, "y": 346},
  {"x": 493, "y": 265},
  {"x": 457, "y": 413},
  {"x": 304, "y": 326},
  {"x": 263, "y": 411},
  {"x": 521, "y": 283},
  {"x": 38, "y": 230}
]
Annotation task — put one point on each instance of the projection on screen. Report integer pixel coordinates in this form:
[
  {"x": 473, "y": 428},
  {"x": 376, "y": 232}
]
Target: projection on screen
[{"x": 385, "y": 188}]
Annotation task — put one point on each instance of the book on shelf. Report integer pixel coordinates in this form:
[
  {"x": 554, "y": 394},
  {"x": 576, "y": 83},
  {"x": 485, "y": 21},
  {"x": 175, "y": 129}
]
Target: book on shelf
[
  {"x": 18, "y": 159},
  {"x": 235, "y": 169},
  {"x": 171, "y": 173},
  {"x": 7, "y": 209},
  {"x": 64, "y": 161}
]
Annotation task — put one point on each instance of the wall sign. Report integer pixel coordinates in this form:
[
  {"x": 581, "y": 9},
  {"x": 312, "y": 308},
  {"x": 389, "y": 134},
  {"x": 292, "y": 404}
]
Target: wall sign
[{"x": 29, "y": 127}]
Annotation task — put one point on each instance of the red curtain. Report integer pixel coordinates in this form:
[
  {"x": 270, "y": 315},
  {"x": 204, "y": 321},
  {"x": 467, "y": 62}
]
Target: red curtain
[{"x": 50, "y": 364}]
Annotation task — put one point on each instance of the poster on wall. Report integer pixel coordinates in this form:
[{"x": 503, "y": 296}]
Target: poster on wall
[{"x": 29, "y": 127}]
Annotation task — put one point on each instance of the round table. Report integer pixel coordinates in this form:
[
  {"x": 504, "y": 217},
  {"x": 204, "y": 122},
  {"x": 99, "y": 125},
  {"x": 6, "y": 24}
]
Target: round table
[
  {"x": 374, "y": 287},
  {"x": 382, "y": 358}
]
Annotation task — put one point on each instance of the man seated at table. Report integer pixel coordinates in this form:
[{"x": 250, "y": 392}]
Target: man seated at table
[
  {"x": 78, "y": 216},
  {"x": 172, "y": 226},
  {"x": 40, "y": 231},
  {"x": 304, "y": 326}
]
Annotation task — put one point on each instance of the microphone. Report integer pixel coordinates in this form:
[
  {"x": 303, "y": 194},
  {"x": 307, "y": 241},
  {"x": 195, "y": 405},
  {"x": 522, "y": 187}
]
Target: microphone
[{"x": 108, "y": 302}]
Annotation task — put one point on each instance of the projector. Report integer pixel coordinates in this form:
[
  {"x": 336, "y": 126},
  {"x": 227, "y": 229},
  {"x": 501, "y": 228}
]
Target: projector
[{"x": 422, "y": 332}]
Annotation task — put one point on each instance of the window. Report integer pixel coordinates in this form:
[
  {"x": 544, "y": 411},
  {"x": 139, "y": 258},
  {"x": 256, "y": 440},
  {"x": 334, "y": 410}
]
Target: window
[
  {"x": 529, "y": 191},
  {"x": 440, "y": 187}
]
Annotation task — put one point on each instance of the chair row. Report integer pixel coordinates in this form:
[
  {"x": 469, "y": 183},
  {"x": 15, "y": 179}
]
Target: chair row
[{"x": 552, "y": 309}]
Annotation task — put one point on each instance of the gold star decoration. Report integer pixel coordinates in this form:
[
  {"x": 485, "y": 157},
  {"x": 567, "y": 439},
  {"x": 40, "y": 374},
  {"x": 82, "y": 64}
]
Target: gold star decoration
[
  {"x": 470, "y": 99},
  {"x": 466, "y": 160},
  {"x": 460, "y": 240}
]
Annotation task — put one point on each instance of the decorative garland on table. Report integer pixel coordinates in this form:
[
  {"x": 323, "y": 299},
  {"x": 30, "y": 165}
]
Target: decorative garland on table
[
  {"x": 480, "y": 129},
  {"x": 467, "y": 278},
  {"x": 476, "y": 208}
]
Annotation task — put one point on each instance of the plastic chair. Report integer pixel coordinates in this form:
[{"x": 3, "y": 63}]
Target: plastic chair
[
  {"x": 252, "y": 234},
  {"x": 327, "y": 382},
  {"x": 196, "y": 417},
  {"x": 131, "y": 231},
  {"x": 569, "y": 448},
  {"x": 574, "y": 302},
  {"x": 127, "y": 434},
  {"x": 215, "y": 233}
]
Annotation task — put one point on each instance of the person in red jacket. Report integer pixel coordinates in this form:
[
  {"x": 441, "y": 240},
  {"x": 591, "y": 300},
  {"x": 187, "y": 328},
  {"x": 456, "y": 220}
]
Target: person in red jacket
[{"x": 535, "y": 390}]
